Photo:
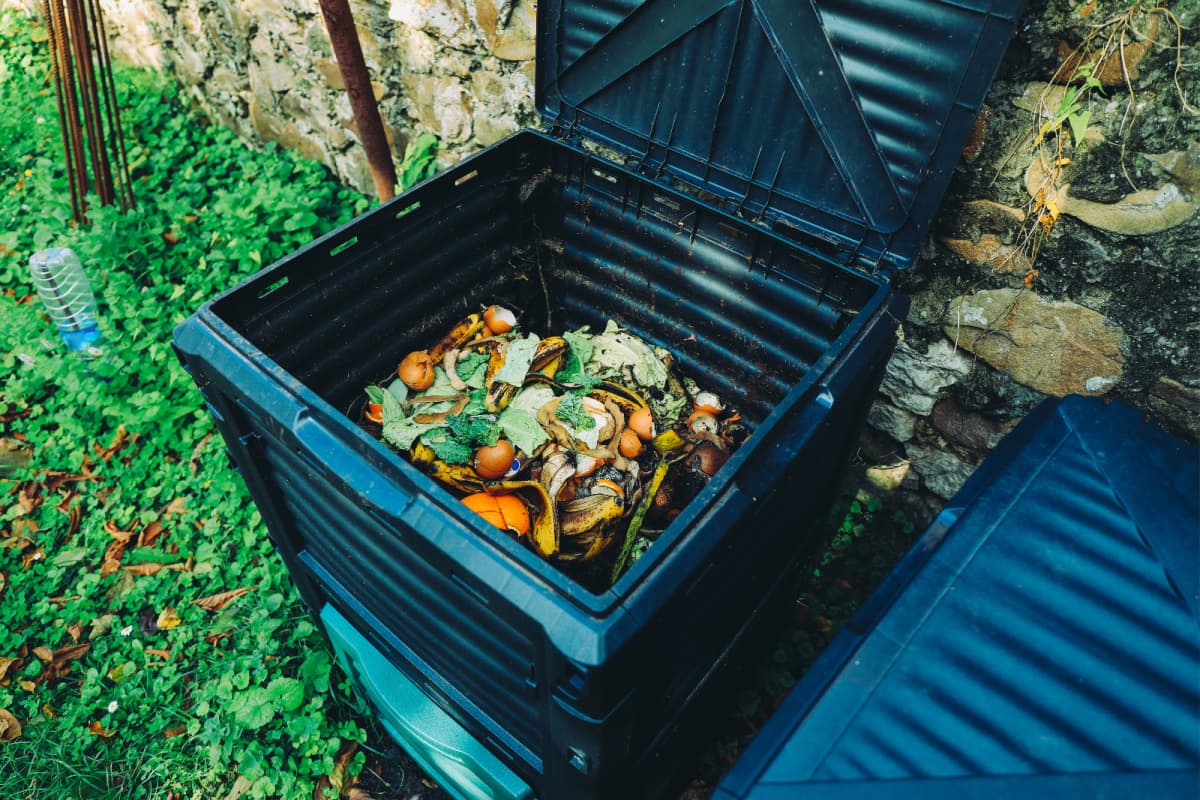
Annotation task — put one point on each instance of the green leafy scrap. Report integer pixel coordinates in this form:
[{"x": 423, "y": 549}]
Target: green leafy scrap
[
  {"x": 517, "y": 360},
  {"x": 472, "y": 369},
  {"x": 579, "y": 351},
  {"x": 447, "y": 448},
  {"x": 570, "y": 410},
  {"x": 522, "y": 428},
  {"x": 473, "y": 431}
]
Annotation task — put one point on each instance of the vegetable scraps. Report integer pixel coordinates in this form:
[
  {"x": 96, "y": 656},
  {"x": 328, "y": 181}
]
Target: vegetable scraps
[{"x": 558, "y": 431}]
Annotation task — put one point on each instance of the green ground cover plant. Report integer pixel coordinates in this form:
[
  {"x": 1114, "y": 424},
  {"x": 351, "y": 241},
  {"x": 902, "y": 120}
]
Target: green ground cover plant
[{"x": 151, "y": 643}]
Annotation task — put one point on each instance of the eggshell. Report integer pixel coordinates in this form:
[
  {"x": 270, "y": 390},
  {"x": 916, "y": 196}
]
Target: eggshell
[
  {"x": 494, "y": 461},
  {"x": 641, "y": 422},
  {"x": 416, "y": 370},
  {"x": 499, "y": 320}
]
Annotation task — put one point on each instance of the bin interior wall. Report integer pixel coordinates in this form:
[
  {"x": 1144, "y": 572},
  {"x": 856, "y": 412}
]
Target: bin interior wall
[{"x": 566, "y": 240}]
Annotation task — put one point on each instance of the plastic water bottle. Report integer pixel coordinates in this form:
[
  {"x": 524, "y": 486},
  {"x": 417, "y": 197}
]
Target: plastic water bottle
[{"x": 67, "y": 294}]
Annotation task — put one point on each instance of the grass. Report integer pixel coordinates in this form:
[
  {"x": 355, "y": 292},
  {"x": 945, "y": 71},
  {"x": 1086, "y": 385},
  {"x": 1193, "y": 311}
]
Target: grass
[{"x": 128, "y": 514}]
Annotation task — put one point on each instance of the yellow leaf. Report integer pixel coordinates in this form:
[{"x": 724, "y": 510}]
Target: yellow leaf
[
  {"x": 1062, "y": 162},
  {"x": 168, "y": 619},
  {"x": 1052, "y": 207}
]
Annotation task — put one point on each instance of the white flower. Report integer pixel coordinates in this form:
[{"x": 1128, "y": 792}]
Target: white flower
[
  {"x": 112, "y": 707},
  {"x": 128, "y": 629}
]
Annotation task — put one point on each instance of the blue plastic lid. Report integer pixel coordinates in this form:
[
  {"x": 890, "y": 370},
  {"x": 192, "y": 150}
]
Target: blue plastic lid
[
  {"x": 843, "y": 118},
  {"x": 1042, "y": 640}
]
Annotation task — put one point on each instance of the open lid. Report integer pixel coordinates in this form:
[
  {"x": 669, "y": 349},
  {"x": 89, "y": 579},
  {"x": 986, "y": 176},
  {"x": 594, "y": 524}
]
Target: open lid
[
  {"x": 1041, "y": 640},
  {"x": 844, "y": 118}
]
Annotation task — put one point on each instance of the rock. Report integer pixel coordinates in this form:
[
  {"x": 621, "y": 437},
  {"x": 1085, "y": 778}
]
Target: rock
[
  {"x": 912, "y": 380},
  {"x": 446, "y": 21},
  {"x": 943, "y": 473},
  {"x": 1058, "y": 348},
  {"x": 509, "y": 26},
  {"x": 968, "y": 429},
  {"x": 1120, "y": 66},
  {"x": 978, "y": 135},
  {"x": 332, "y": 73},
  {"x": 895, "y": 422},
  {"x": 888, "y": 477},
  {"x": 1041, "y": 99},
  {"x": 1179, "y": 405},
  {"x": 991, "y": 254},
  {"x": 1138, "y": 213}
]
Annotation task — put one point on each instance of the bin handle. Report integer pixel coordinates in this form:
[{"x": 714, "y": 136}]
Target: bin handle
[{"x": 379, "y": 492}]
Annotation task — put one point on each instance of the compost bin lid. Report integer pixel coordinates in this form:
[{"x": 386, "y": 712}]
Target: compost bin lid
[
  {"x": 1041, "y": 640},
  {"x": 844, "y": 118}
]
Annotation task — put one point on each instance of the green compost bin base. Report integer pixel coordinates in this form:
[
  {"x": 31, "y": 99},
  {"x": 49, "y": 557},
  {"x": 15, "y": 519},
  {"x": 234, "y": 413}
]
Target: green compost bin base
[{"x": 463, "y": 766}]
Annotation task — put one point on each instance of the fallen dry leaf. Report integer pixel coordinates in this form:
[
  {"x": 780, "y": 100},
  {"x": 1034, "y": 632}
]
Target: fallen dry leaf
[
  {"x": 71, "y": 653},
  {"x": 214, "y": 638},
  {"x": 44, "y": 654},
  {"x": 56, "y": 479},
  {"x": 118, "y": 442},
  {"x": 167, "y": 619},
  {"x": 356, "y": 793},
  {"x": 165, "y": 655},
  {"x": 216, "y": 602},
  {"x": 75, "y": 630},
  {"x": 28, "y": 686},
  {"x": 3, "y": 583},
  {"x": 8, "y": 665},
  {"x": 110, "y": 527},
  {"x": 171, "y": 733},
  {"x": 149, "y": 534},
  {"x": 176, "y": 506},
  {"x": 143, "y": 569},
  {"x": 101, "y": 731},
  {"x": 32, "y": 556},
  {"x": 9, "y": 727},
  {"x": 50, "y": 711},
  {"x": 29, "y": 497}
]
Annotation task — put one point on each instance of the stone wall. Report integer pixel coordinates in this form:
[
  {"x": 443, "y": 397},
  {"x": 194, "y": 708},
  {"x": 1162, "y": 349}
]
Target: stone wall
[
  {"x": 1110, "y": 302},
  {"x": 462, "y": 69}
]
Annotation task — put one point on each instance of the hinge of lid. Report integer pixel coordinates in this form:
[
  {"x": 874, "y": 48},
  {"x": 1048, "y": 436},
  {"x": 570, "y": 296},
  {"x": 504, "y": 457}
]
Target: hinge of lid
[{"x": 566, "y": 126}]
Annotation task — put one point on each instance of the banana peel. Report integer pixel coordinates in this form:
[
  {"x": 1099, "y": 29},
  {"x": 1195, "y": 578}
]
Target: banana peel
[
  {"x": 546, "y": 362},
  {"x": 544, "y": 533},
  {"x": 462, "y": 332},
  {"x": 461, "y": 476}
]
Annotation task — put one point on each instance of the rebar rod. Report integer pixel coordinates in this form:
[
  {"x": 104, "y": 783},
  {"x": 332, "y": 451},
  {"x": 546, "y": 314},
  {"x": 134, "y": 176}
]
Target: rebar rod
[
  {"x": 88, "y": 107},
  {"x": 348, "y": 52},
  {"x": 116, "y": 139}
]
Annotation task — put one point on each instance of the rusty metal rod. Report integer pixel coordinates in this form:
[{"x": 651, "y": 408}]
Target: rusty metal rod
[
  {"x": 57, "y": 68},
  {"x": 348, "y": 52},
  {"x": 101, "y": 174},
  {"x": 106, "y": 104},
  {"x": 116, "y": 138},
  {"x": 72, "y": 132}
]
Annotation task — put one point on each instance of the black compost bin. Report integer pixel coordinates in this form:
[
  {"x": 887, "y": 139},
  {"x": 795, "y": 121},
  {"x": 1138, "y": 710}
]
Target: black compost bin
[
  {"x": 766, "y": 169},
  {"x": 1041, "y": 640}
]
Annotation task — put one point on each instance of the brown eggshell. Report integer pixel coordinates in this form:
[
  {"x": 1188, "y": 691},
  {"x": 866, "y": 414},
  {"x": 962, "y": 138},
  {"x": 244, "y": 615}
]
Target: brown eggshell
[
  {"x": 641, "y": 422},
  {"x": 631, "y": 444},
  {"x": 416, "y": 370},
  {"x": 494, "y": 461}
]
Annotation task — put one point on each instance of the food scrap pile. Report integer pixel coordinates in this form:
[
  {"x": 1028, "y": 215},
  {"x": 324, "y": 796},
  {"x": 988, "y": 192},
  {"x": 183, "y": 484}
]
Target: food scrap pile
[{"x": 571, "y": 443}]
